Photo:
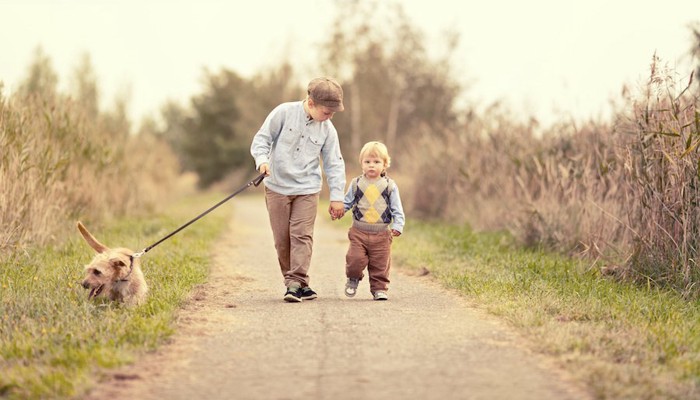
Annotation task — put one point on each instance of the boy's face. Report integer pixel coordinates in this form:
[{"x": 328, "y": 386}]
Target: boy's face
[
  {"x": 372, "y": 166},
  {"x": 319, "y": 113}
]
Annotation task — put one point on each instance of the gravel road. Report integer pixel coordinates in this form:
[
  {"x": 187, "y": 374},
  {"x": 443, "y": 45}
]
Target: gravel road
[{"x": 237, "y": 339}]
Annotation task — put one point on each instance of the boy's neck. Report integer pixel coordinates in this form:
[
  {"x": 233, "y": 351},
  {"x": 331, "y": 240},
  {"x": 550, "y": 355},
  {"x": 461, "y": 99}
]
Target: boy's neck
[{"x": 307, "y": 111}]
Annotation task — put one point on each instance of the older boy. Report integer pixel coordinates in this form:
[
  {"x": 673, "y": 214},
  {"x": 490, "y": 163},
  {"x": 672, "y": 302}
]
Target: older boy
[{"x": 288, "y": 148}]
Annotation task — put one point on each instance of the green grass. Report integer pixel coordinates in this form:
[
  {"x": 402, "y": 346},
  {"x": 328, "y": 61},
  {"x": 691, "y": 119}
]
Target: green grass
[
  {"x": 53, "y": 340},
  {"x": 619, "y": 340}
]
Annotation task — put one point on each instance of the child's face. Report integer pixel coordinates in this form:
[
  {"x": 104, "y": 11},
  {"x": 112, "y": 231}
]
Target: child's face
[{"x": 372, "y": 166}]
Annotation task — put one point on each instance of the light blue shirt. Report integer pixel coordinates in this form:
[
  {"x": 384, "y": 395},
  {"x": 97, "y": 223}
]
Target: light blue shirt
[{"x": 293, "y": 145}]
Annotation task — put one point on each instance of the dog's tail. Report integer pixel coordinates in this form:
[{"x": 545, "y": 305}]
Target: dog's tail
[{"x": 94, "y": 243}]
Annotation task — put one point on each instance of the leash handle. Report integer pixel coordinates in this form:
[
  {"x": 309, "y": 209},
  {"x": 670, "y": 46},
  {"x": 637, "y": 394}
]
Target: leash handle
[
  {"x": 258, "y": 180},
  {"x": 255, "y": 182}
]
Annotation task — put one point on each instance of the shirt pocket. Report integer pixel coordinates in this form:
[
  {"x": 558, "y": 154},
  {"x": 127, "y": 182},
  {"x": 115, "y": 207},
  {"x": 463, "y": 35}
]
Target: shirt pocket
[
  {"x": 314, "y": 144},
  {"x": 288, "y": 138}
]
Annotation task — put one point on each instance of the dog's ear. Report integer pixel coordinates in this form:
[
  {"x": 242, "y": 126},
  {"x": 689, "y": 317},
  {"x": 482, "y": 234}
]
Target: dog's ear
[
  {"x": 119, "y": 265},
  {"x": 94, "y": 243}
]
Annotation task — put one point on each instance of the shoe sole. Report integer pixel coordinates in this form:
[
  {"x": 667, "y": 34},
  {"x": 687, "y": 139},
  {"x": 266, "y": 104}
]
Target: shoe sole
[
  {"x": 309, "y": 297},
  {"x": 290, "y": 298}
]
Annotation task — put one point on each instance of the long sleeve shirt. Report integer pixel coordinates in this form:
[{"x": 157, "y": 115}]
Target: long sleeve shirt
[{"x": 293, "y": 144}]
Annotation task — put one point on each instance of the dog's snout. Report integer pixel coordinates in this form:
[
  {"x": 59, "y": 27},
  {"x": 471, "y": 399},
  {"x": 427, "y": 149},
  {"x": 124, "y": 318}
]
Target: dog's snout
[{"x": 85, "y": 284}]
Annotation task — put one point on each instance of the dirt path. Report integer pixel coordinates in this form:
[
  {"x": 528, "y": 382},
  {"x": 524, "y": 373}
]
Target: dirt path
[{"x": 238, "y": 340}]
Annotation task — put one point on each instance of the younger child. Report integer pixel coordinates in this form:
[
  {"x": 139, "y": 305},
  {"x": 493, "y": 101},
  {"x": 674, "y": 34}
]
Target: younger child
[{"x": 377, "y": 216}]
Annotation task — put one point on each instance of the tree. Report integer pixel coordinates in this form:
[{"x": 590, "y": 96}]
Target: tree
[
  {"x": 394, "y": 91},
  {"x": 174, "y": 116},
  {"x": 263, "y": 92},
  {"x": 41, "y": 79},
  {"x": 210, "y": 144},
  {"x": 85, "y": 88},
  {"x": 212, "y": 138}
]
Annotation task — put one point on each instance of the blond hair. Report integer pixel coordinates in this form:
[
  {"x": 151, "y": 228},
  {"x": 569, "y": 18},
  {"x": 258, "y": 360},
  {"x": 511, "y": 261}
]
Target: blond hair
[{"x": 376, "y": 149}]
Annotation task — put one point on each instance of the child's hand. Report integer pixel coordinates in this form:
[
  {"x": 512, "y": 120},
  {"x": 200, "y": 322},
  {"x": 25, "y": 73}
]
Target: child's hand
[
  {"x": 336, "y": 210},
  {"x": 394, "y": 232}
]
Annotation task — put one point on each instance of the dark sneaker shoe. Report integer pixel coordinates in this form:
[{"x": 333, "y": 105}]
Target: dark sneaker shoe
[
  {"x": 293, "y": 294},
  {"x": 308, "y": 294},
  {"x": 351, "y": 287},
  {"x": 380, "y": 295}
]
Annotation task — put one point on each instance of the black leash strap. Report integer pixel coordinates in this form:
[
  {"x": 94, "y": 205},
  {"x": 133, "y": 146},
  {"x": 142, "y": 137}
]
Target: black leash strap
[{"x": 255, "y": 182}]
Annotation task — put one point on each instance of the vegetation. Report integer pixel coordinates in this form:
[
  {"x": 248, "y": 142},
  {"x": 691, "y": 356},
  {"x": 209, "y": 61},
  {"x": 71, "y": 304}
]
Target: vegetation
[
  {"x": 620, "y": 195},
  {"x": 621, "y": 341},
  {"x": 63, "y": 159},
  {"x": 53, "y": 339},
  {"x": 213, "y": 138}
]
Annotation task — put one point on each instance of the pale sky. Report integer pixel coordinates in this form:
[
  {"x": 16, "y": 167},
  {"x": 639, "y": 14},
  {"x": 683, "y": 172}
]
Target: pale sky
[{"x": 542, "y": 57}]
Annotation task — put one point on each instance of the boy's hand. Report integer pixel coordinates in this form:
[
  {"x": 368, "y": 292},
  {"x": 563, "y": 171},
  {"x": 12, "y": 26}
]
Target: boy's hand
[
  {"x": 264, "y": 169},
  {"x": 336, "y": 210},
  {"x": 394, "y": 232}
]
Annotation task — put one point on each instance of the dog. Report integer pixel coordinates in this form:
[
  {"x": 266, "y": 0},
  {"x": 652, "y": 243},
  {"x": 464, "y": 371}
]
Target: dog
[{"x": 113, "y": 273}]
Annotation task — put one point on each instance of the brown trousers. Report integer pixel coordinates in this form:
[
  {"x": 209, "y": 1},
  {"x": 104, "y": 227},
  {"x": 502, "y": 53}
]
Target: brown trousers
[
  {"x": 373, "y": 251},
  {"x": 292, "y": 220}
]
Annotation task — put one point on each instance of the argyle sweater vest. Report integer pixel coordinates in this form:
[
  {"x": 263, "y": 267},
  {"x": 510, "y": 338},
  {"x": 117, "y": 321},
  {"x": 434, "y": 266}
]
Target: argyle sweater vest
[{"x": 372, "y": 211}]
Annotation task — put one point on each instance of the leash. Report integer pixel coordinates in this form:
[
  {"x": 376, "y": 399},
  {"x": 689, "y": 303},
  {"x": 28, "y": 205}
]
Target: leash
[{"x": 255, "y": 182}]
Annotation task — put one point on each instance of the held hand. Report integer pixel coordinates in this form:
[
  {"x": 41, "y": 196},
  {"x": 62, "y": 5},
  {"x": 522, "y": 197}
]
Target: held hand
[
  {"x": 336, "y": 210},
  {"x": 264, "y": 169},
  {"x": 335, "y": 214}
]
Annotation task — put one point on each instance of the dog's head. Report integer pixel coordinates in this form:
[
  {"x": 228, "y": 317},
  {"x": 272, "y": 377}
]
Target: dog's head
[{"x": 107, "y": 269}]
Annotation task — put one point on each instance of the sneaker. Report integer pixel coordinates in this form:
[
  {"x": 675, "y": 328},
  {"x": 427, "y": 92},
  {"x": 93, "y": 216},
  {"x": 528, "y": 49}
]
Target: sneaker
[
  {"x": 380, "y": 295},
  {"x": 308, "y": 294},
  {"x": 351, "y": 287},
  {"x": 293, "y": 294}
]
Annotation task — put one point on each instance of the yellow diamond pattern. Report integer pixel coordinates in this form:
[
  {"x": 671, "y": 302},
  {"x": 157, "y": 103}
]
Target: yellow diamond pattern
[
  {"x": 372, "y": 216},
  {"x": 372, "y": 194}
]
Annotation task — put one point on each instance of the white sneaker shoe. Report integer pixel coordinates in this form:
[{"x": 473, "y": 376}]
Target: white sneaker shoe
[
  {"x": 351, "y": 287},
  {"x": 380, "y": 295}
]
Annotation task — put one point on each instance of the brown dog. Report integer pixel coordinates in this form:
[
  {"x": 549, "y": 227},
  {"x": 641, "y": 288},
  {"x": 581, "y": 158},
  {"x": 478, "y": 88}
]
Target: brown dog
[{"x": 113, "y": 273}]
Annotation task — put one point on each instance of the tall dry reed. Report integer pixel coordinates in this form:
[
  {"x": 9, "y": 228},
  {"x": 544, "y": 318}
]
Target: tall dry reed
[
  {"x": 59, "y": 164},
  {"x": 663, "y": 180},
  {"x": 623, "y": 195}
]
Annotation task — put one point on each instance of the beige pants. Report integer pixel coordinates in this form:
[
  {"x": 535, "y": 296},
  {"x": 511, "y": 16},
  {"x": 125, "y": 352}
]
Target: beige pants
[
  {"x": 292, "y": 221},
  {"x": 373, "y": 251}
]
